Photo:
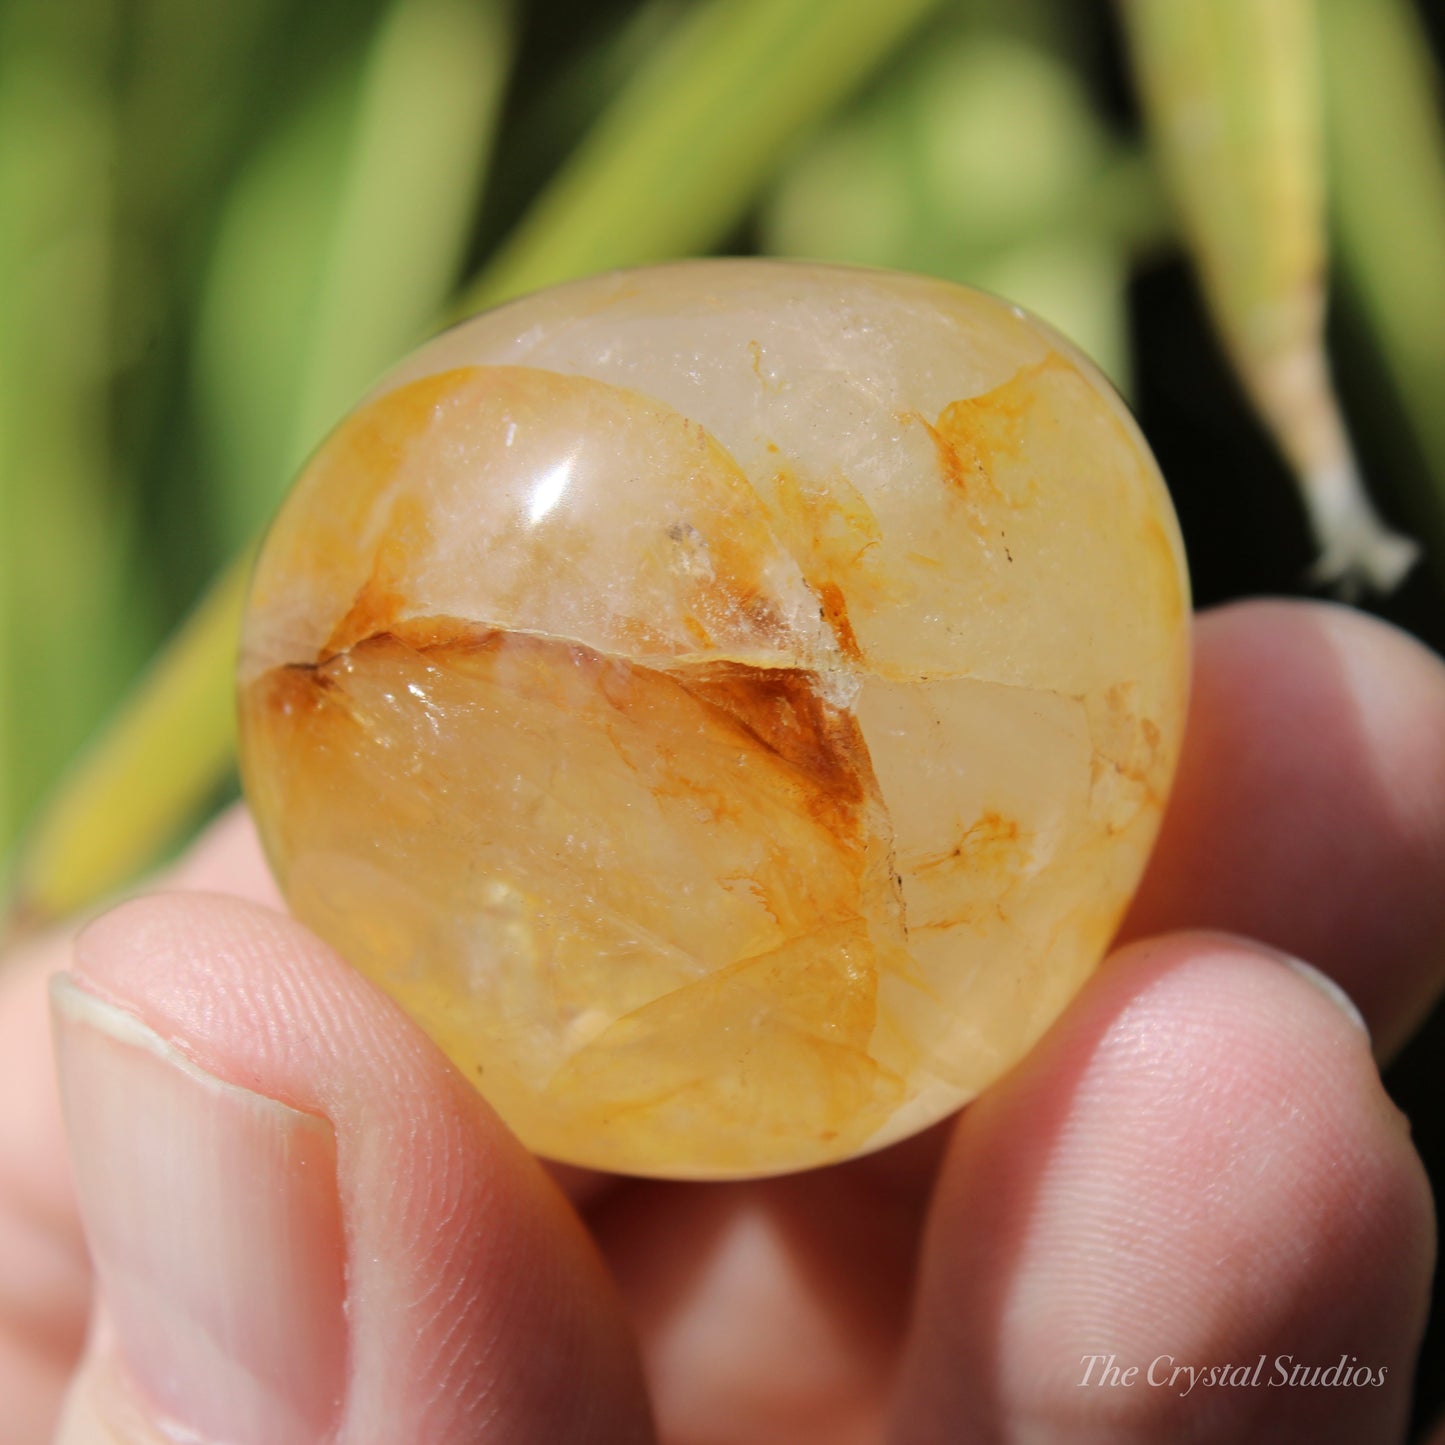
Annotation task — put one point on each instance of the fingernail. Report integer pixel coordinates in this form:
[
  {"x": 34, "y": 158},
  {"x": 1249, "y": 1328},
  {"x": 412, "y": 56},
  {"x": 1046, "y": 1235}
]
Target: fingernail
[
  {"x": 214, "y": 1221},
  {"x": 1307, "y": 971},
  {"x": 1329, "y": 988}
]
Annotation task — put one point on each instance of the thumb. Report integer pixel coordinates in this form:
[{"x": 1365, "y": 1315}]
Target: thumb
[{"x": 306, "y": 1227}]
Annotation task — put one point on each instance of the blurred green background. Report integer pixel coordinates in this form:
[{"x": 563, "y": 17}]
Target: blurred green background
[{"x": 219, "y": 223}]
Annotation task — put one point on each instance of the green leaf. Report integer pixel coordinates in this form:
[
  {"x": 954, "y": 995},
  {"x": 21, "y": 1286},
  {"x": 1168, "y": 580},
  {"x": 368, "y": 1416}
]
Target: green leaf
[
  {"x": 672, "y": 165},
  {"x": 65, "y": 526}
]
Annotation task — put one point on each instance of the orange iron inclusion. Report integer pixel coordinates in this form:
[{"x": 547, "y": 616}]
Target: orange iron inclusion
[{"x": 728, "y": 705}]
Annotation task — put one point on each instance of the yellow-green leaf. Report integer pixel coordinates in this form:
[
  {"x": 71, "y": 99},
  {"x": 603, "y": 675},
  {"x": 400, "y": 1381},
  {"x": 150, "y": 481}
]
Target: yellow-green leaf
[{"x": 1231, "y": 90}]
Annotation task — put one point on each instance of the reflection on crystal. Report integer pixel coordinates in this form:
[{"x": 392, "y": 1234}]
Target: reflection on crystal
[{"x": 551, "y": 486}]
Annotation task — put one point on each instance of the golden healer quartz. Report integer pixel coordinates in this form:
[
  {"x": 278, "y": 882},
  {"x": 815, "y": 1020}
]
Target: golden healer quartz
[{"x": 728, "y": 705}]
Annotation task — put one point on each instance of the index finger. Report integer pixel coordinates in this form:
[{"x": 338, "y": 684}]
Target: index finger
[{"x": 1309, "y": 810}]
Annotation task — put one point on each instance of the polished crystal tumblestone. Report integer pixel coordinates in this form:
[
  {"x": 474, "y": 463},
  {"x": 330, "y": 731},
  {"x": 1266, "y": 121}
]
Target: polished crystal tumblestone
[{"x": 728, "y": 705}]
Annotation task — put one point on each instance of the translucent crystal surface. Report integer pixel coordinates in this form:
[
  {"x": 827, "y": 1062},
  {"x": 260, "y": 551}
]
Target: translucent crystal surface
[{"x": 728, "y": 705}]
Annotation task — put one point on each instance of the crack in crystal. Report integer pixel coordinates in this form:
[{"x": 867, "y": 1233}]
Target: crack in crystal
[{"x": 880, "y": 881}]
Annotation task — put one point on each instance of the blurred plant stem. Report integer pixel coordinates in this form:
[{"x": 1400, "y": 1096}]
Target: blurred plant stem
[
  {"x": 983, "y": 160},
  {"x": 1232, "y": 98},
  {"x": 123, "y": 798},
  {"x": 342, "y": 242},
  {"x": 1387, "y": 149},
  {"x": 672, "y": 164},
  {"x": 68, "y": 632}
]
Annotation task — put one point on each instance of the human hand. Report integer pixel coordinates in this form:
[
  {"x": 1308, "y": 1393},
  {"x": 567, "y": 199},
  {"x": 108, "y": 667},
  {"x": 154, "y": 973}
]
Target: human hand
[{"x": 307, "y": 1227}]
